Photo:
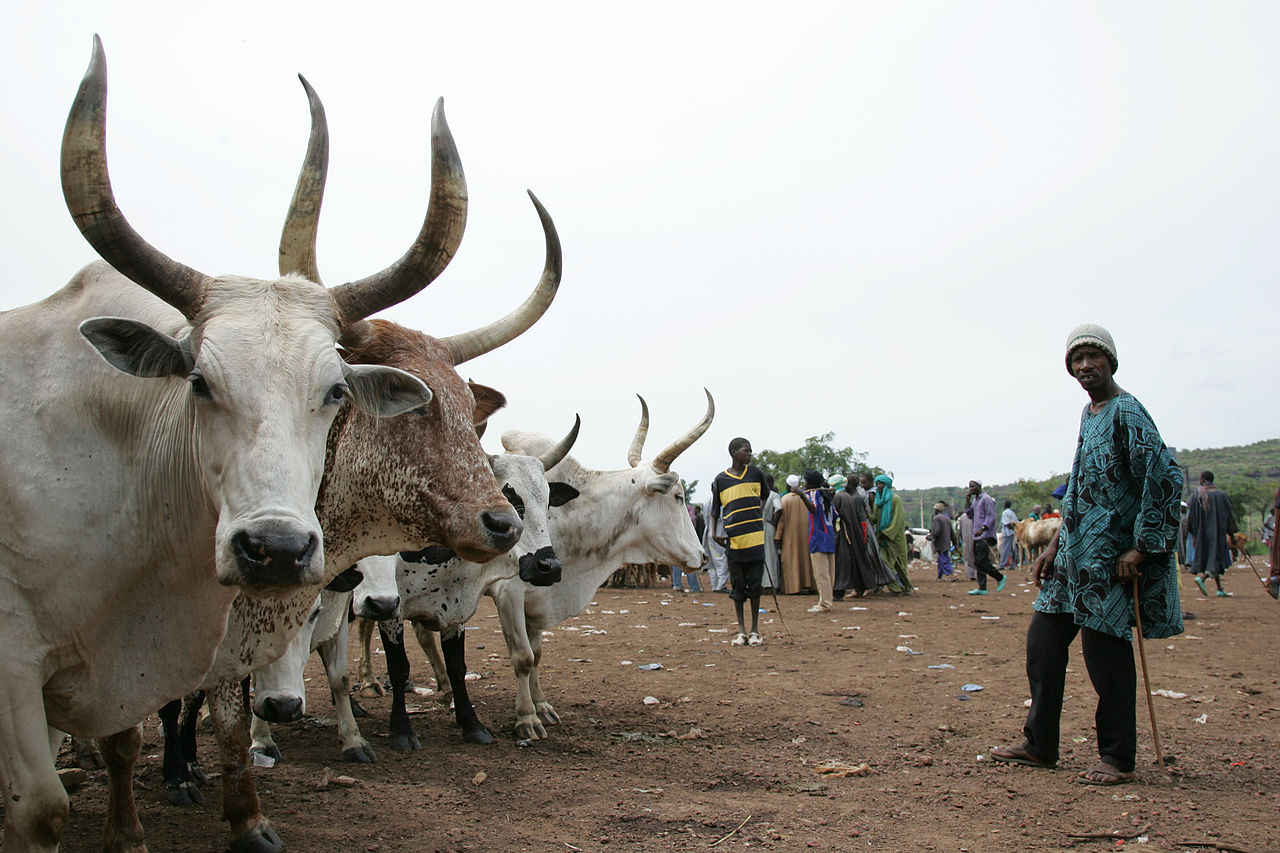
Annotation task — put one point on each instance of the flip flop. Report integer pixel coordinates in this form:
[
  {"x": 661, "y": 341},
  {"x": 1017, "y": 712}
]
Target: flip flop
[
  {"x": 1200, "y": 583},
  {"x": 1104, "y": 774},
  {"x": 1021, "y": 755}
]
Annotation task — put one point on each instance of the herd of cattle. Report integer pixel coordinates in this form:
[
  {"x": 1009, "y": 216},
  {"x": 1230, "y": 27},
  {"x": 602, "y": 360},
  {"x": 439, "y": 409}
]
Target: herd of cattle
[{"x": 203, "y": 474}]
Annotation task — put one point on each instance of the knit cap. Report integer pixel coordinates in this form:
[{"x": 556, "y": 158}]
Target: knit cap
[
  {"x": 1091, "y": 334},
  {"x": 793, "y": 480}
]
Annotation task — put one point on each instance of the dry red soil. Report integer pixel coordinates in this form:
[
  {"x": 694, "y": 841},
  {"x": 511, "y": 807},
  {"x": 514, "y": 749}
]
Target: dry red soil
[{"x": 732, "y": 756}]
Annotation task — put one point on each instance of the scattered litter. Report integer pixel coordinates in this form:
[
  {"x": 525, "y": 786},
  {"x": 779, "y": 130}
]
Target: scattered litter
[
  {"x": 851, "y": 628},
  {"x": 855, "y": 607},
  {"x": 1169, "y": 694},
  {"x": 1079, "y": 739},
  {"x": 524, "y": 743},
  {"x": 610, "y": 612},
  {"x": 941, "y": 666},
  {"x": 971, "y": 688},
  {"x": 652, "y": 701},
  {"x": 72, "y": 777},
  {"x": 327, "y": 778},
  {"x": 623, "y": 612},
  {"x": 708, "y": 604},
  {"x": 906, "y": 649},
  {"x": 579, "y": 660},
  {"x": 649, "y": 667},
  {"x": 989, "y": 618},
  {"x": 424, "y": 691},
  {"x": 260, "y": 760},
  {"x": 853, "y": 701},
  {"x": 903, "y": 613},
  {"x": 694, "y": 733},
  {"x": 1191, "y": 637},
  {"x": 1237, "y": 764},
  {"x": 472, "y": 676},
  {"x": 718, "y": 630},
  {"x": 570, "y": 628},
  {"x": 835, "y": 767},
  {"x": 595, "y": 631},
  {"x": 687, "y": 625},
  {"x": 624, "y": 663},
  {"x": 964, "y": 697},
  {"x": 908, "y": 636},
  {"x": 1203, "y": 718},
  {"x": 799, "y": 740},
  {"x": 647, "y": 790},
  {"x": 479, "y": 777},
  {"x": 635, "y": 626},
  {"x": 546, "y": 635}
]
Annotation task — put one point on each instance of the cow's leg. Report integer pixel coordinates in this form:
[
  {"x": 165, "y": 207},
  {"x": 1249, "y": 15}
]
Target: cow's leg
[
  {"x": 403, "y": 738},
  {"x": 333, "y": 652},
  {"x": 180, "y": 788},
  {"x": 368, "y": 686},
  {"x": 260, "y": 740},
  {"x": 191, "y": 705},
  {"x": 250, "y": 831},
  {"x": 122, "y": 832},
  {"x": 88, "y": 757},
  {"x": 546, "y": 713},
  {"x": 429, "y": 641},
  {"x": 511, "y": 617},
  {"x": 36, "y": 806},
  {"x": 453, "y": 644}
]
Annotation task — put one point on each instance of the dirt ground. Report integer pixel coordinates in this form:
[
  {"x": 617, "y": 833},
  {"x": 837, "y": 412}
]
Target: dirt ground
[{"x": 732, "y": 755}]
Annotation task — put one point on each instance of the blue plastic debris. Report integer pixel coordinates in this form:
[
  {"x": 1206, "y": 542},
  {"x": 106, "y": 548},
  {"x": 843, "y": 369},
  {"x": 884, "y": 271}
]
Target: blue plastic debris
[
  {"x": 971, "y": 688},
  {"x": 941, "y": 666},
  {"x": 649, "y": 666}
]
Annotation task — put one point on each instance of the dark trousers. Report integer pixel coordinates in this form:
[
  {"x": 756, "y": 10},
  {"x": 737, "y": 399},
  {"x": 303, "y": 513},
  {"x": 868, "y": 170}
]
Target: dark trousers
[
  {"x": 1109, "y": 661},
  {"x": 982, "y": 561}
]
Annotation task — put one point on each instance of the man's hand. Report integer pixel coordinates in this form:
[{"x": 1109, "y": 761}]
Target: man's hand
[
  {"x": 1129, "y": 565},
  {"x": 1042, "y": 570}
]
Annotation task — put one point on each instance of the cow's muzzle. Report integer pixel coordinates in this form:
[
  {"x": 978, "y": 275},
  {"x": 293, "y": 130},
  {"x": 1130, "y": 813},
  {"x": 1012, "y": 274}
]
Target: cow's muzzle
[
  {"x": 503, "y": 529},
  {"x": 541, "y": 568},
  {"x": 277, "y": 554},
  {"x": 279, "y": 709},
  {"x": 379, "y": 608}
]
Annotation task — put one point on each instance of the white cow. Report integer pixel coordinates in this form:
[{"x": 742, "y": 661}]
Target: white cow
[
  {"x": 133, "y": 508},
  {"x": 635, "y": 515},
  {"x": 399, "y": 483},
  {"x": 279, "y": 692}
]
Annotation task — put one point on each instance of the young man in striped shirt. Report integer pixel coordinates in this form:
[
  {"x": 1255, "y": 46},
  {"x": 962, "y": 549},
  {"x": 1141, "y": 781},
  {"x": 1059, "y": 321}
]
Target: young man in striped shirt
[{"x": 737, "y": 498}]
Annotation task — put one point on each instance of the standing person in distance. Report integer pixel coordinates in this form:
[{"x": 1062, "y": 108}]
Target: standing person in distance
[
  {"x": 1119, "y": 522},
  {"x": 892, "y": 524},
  {"x": 737, "y": 500},
  {"x": 983, "y": 512},
  {"x": 1008, "y": 547},
  {"x": 1209, "y": 521},
  {"x": 940, "y": 536},
  {"x": 817, "y": 497}
]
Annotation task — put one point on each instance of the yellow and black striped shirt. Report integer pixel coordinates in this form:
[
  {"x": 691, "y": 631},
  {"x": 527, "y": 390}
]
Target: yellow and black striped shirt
[{"x": 738, "y": 500}]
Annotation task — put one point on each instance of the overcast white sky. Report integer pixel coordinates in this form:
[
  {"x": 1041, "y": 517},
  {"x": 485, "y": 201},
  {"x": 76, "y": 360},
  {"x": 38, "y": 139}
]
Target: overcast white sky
[{"x": 880, "y": 219}]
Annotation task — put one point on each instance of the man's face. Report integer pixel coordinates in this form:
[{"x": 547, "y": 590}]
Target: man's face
[
  {"x": 742, "y": 455},
  {"x": 865, "y": 481},
  {"x": 1091, "y": 367},
  {"x": 974, "y": 488}
]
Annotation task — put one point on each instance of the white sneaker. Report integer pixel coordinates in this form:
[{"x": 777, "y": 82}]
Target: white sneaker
[
  {"x": 754, "y": 639},
  {"x": 815, "y": 609},
  {"x": 740, "y": 640}
]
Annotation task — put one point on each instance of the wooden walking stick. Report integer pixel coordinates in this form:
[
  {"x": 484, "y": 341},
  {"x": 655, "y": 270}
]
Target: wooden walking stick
[
  {"x": 1248, "y": 560},
  {"x": 1146, "y": 679}
]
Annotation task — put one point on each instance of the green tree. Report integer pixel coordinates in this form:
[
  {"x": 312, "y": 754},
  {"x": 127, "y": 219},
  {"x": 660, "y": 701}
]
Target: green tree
[
  {"x": 688, "y": 489},
  {"x": 817, "y": 453}
]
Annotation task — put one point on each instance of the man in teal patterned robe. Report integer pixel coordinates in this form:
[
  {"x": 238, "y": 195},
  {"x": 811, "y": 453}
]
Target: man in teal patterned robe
[{"x": 1120, "y": 520}]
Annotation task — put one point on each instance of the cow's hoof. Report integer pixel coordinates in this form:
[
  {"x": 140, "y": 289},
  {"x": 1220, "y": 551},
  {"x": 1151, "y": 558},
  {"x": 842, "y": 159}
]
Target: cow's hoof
[
  {"x": 90, "y": 758},
  {"x": 530, "y": 729},
  {"x": 405, "y": 742},
  {"x": 548, "y": 715},
  {"x": 197, "y": 774},
  {"x": 357, "y": 710},
  {"x": 270, "y": 751},
  {"x": 183, "y": 794},
  {"x": 260, "y": 839},
  {"x": 478, "y": 734},
  {"x": 362, "y": 754},
  {"x": 370, "y": 689}
]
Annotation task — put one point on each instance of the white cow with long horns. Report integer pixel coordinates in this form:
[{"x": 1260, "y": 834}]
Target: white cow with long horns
[{"x": 133, "y": 508}]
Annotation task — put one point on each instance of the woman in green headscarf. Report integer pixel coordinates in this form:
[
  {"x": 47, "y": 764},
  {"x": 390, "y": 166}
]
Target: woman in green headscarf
[{"x": 891, "y": 522}]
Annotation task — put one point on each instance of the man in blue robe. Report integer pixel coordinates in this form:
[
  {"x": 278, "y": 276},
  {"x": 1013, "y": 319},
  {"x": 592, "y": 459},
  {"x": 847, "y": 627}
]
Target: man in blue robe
[{"x": 1120, "y": 517}]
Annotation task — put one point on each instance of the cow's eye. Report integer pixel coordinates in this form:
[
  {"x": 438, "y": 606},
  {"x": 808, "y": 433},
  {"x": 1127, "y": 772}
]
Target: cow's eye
[
  {"x": 514, "y": 499},
  {"x": 336, "y": 394},
  {"x": 199, "y": 387}
]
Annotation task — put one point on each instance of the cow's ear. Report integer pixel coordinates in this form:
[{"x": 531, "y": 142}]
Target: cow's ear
[
  {"x": 562, "y": 493},
  {"x": 385, "y": 391},
  {"x": 488, "y": 401},
  {"x": 136, "y": 348},
  {"x": 346, "y": 581},
  {"x": 663, "y": 483}
]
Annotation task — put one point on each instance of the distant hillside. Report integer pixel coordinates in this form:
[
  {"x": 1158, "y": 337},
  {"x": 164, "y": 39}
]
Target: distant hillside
[{"x": 1249, "y": 474}]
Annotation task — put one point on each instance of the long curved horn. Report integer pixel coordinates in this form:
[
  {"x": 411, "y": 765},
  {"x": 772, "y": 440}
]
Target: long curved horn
[
  {"x": 298, "y": 239},
  {"x": 662, "y": 464},
  {"x": 552, "y": 457},
  {"x": 477, "y": 342},
  {"x": 86, "y": 187},
  {"x": 637, "y": 442},
  {"x": 436, "y": 243}
]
